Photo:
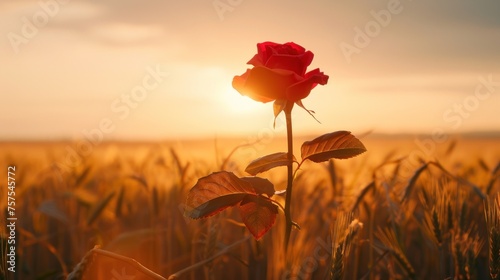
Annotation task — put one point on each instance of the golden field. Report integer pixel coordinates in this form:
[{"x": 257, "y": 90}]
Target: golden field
[{"x": 410, "y": 207}]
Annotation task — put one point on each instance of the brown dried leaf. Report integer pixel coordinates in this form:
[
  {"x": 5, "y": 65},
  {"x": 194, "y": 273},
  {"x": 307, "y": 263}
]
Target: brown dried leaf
[
  {"x": 339, "y": 144},
  {"x": 261, "y": 185},
  {"x": 220, "y": 190},
  {"x": 259, "y": 214},
  {"x": 267, "y": 162}
]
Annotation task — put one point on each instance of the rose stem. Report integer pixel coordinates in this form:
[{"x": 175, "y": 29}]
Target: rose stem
[{"x": 288, "y": 199}]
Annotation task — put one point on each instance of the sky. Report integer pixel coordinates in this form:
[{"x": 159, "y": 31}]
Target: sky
[{"x": 148, "y": 70}]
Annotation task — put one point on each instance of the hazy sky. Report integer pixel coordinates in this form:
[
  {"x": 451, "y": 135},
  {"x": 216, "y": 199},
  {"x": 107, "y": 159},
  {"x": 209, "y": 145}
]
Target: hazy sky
[{"x": 163, "y": 69}]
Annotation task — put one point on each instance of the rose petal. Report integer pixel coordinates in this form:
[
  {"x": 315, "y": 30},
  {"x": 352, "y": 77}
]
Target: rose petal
[
  {"x": 295, "y": 63},
  {"x": 264, "y": 84},
  {"x": 264, "y": 51},
  {"x": 302, "y": 89},
  {"x": 239, "y": 81},
  {"x": 263, "y": 47},
  {"x": 316, "y": 72},
  {"x": 279, "y": 73},
  {"x": 307, "y": 58},
  {"x": 294, "y": 48},
  {"x": 257, "y": 60}
]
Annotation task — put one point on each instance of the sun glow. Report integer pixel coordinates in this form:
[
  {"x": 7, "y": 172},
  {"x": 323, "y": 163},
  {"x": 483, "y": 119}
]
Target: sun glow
[{"x": 238, "y": 103}]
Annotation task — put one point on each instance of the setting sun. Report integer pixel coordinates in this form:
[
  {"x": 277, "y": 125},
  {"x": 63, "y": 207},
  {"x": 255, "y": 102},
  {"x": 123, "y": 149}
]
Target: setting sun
[{"x": 237, "y": 103}]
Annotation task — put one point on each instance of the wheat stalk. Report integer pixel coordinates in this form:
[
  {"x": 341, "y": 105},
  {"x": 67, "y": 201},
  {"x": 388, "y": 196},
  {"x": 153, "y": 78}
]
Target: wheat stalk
[
  {"x": 344, "y": 230},
  {"x": 466, "y": 247},
  {"x": 493, "y": 221},
  {"x": 437, "y": 227},
  {"x": 389, "y": 240},
  {"x": 337, "y": 267},
  {"x": 438, "y": 219}
]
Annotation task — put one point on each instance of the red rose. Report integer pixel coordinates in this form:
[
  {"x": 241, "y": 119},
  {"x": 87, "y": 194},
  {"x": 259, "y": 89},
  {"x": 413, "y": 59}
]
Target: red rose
[{"x": 279, "y": 73}]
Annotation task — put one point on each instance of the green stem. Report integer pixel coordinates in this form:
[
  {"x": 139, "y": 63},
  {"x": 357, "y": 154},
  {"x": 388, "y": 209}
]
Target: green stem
[{"x": 288, "y": 199}]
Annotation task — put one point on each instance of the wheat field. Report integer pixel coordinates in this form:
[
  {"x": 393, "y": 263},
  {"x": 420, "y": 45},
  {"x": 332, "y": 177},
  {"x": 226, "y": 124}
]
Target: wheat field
[{"x": 399, "y": 211}]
